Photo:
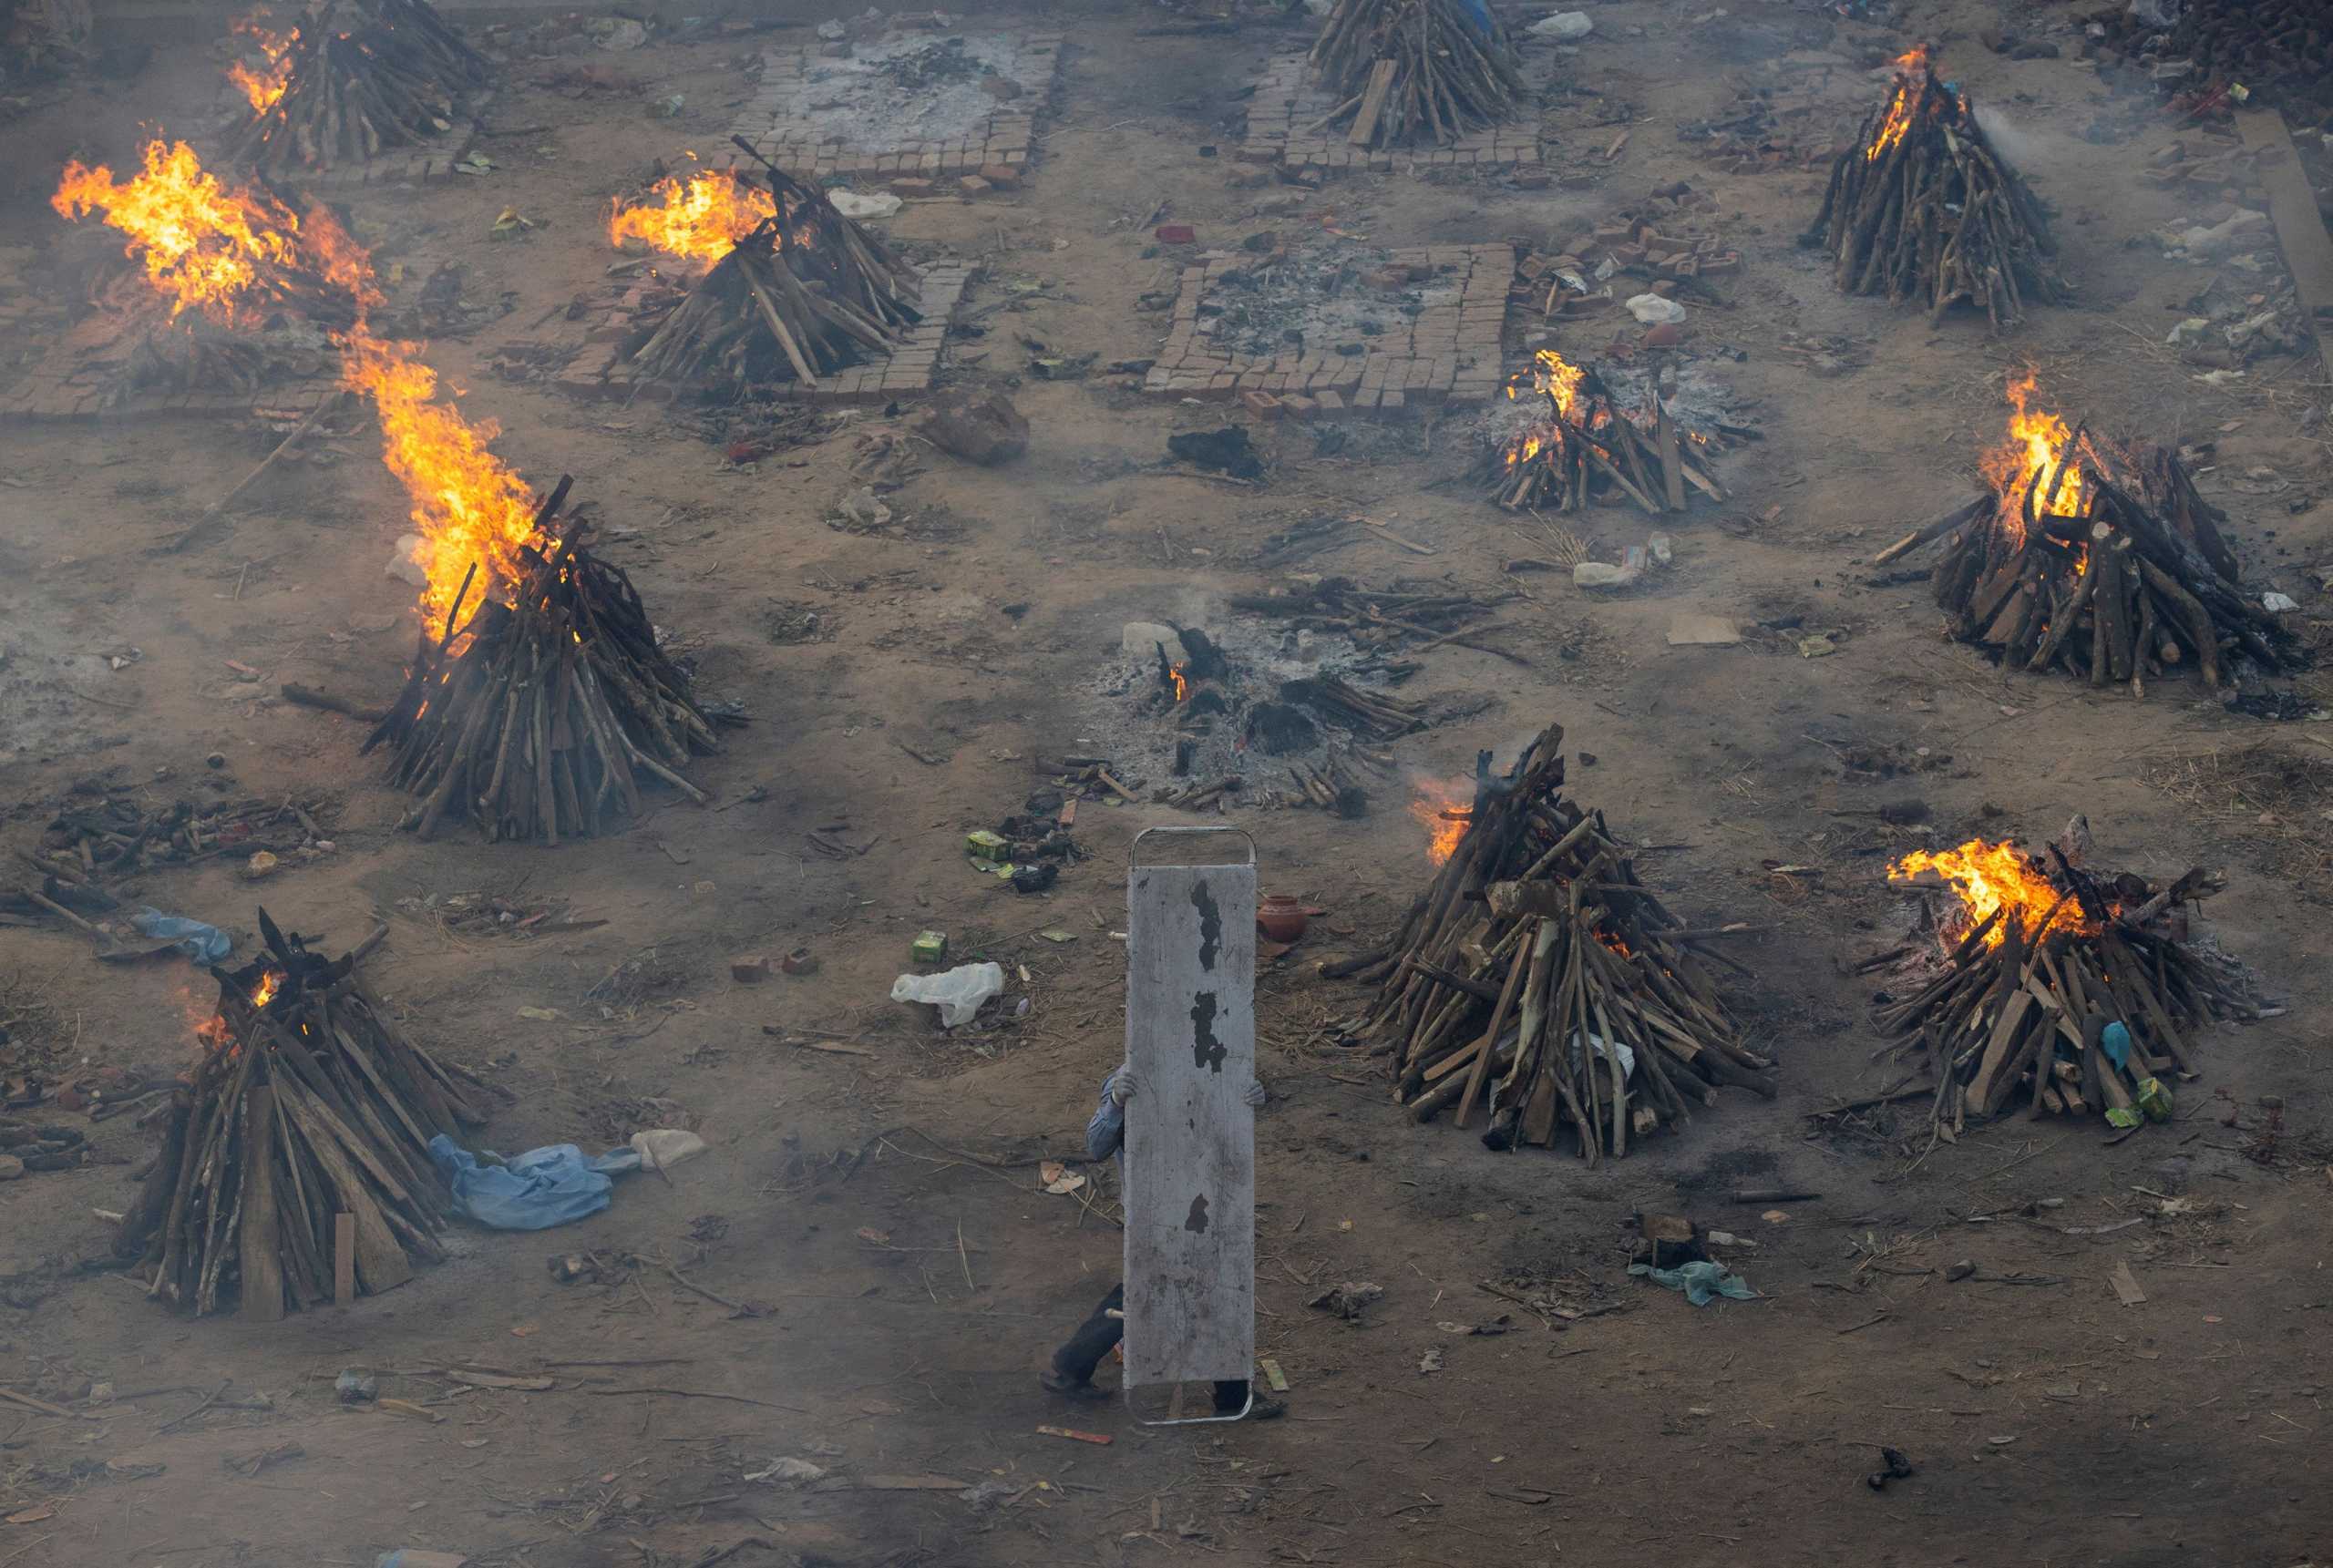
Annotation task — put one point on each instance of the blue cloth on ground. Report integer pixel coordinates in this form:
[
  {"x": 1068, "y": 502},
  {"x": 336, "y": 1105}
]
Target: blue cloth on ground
[
  {"x": 533, "y": 1191},
  {"x": 1701, "y": 1282},
  {"x": 203, "y": 944}
]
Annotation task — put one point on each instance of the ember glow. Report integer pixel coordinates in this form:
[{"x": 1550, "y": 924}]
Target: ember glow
[
  {"x": 2038, "y": 441},
  {"x": 202, "y": 245},
  {"x": 266, "y": 85},
  {"x": 701, "y": 218},
  {"x": 1989, "y": 877},
  {"x": 468, "y": 506},
  {"x": 1911, "y": 75},
  {"x": 1446, "y": 812},
  {"x": 1182, "y": 683}
]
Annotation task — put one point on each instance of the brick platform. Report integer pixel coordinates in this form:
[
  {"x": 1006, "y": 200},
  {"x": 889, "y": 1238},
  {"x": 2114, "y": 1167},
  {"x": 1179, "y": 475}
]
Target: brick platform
[
  {"x": 1287, "y": 103},
  {"x": 774, "y": 123},
  {"x": 71, "y": 380},
  {"x": 1449, "y": 353},
  {"x": 596, "y": 371}
]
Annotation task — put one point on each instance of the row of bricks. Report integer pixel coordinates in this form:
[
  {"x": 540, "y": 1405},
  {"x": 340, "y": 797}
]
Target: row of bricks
[{"x": 795, "y": 155}]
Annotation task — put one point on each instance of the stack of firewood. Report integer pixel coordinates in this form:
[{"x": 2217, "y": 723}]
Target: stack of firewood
[
  {"x": 114, "y": 835},
  {"x": 295, "y": 1167},
  {"x": 1588, "y": 447},
  {"x": 2012, "y": 1001},
  {"x": 1537, "y": 970},
  {"x": 1407, "y": 69},
  {"x": 807, "y": 293},
  {"x": 1921, "y": 206},
  {"x": 363, "y": 77},
  {"x": 536, "y": 719},
  {"x": 2106, "y": 564}
]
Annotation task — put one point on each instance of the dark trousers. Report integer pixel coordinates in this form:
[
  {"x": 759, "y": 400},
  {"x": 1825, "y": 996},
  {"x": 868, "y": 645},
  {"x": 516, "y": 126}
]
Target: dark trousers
[{"x": 1076, "y": 1359}]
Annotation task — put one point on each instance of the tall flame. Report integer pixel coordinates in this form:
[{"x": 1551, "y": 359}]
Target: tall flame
[
  {"x": 265, "y": 86},
  {"x": 1445, "y": 814},
  {"x": 1911, "y": 77},
  {"x": 1558, "y": 378},
  {"x": 2038, "y": 441},
  {"x": 701, "y": 218},
  {"x": 468, "y": 506},
  {"x": 1990, "y": 876},
  {"x": 203, "y": 244}
]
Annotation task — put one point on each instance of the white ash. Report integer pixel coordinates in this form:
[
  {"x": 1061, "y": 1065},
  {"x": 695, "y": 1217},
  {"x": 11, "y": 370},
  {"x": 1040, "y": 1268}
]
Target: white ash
[{"x": 860, "y": 103}]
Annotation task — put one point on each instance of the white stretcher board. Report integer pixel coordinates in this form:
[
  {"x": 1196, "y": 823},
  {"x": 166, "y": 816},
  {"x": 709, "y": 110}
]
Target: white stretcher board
[{"x": 1190, "y": 1146}]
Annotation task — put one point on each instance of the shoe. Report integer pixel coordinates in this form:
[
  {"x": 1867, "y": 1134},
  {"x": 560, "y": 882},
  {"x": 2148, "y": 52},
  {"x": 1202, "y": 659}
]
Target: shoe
[{"x": 1068, "y": 1388}]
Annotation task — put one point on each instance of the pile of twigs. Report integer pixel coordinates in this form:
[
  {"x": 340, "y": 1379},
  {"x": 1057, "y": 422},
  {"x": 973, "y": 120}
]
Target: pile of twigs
[
  {"x": 536, "y": 719},
  {"x": 192, "y": 356},
  {"x": 1371, "y": 715},
  {"x": 1401, "y": 70},
  {"x": 114, "y": 835},
  {"x": 2016, "y": 1007},
  {"x": 1587, "y": 447},
  {"x": 359, "y": 77},
  {"x": 1536, "y": 966},
  {"x": 808, "y": 292},
  {"x": 2108, "y": 565},
  {"x": 298, "y": 1151},
  {"x": 1920, "y": 206}
]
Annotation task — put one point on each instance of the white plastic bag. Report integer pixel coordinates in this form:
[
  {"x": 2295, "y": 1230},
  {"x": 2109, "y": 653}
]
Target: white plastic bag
[
  {"x": 1656, "y": 309},
  {"x": 851, "y": 204},
  {"x": 1563, "y": 25},
  {"x": 661, "y": 1148},
  {"x": 958, "y": 994}
]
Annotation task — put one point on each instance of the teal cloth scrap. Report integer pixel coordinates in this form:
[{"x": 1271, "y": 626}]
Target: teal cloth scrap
[{"x": 1702, "y": 1283}]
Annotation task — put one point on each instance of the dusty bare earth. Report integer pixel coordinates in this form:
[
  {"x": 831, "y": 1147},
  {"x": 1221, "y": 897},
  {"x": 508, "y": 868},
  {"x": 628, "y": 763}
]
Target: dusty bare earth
[{"x": 880, "y": 1205}]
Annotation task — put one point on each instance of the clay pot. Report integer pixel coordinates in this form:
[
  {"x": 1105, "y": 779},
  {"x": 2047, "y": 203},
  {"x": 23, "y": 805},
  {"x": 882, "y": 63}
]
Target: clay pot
[{"x": 1281, "y": 917}]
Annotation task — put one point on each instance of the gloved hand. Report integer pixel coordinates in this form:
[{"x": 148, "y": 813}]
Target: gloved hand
[{"x": 1121, "y": 1084}]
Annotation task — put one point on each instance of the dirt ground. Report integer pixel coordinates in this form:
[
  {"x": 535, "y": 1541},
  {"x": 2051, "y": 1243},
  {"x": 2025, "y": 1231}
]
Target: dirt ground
[{"x": 880, "y": 1206}]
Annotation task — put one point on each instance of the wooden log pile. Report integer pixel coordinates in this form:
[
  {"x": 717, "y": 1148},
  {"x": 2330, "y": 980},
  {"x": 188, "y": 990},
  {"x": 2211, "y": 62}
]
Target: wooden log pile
[
  {"x": 1539, "y": 976},
  {"x": 1409, "y": 71},
  {"x": 1423, "y": 614},
  {"x": 1588, "y": 447},
  {"x": 97, "y": 838},
  {"x": 807, "y": 293},
  {"x": 294, "y": 1168},
  {"x": 536, "y": 719},
  {"x": 2007, "y": 1005},
  {"x": 1921, "y": 207},
  {"x": 2281, "y": 51},
  {"x": 359, "y": 77},
  {"x": 2102, "y": 562}
]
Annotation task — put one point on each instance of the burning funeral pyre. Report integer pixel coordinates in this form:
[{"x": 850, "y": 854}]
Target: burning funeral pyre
[
  {"x": 2098, "y": 559},
  {"x": 352, "y": 79},
  {"x": 1404, "y": 70},
  {"x": 1537, "y": 973},
  {"x": 1587, "y": 447},
  {"x": 793, "y": 289},
  {"x": 537, "y": 716},
  {"x": 2053, "y": 987},
  {"x": 1920, "y": 206},
  {"x": 298, "y": 1146}
]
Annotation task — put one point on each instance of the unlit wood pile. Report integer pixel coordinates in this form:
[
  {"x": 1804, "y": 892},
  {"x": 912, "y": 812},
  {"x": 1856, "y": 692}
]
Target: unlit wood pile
[
  {"x": 1922, "y": 207},
  {"x": 1406, "y": 70},
  {"x": 536, "y": 719},
  {"x": 2130, "y": 580},
  {"x": 2017, "y": 1016},
  {"x": 1534, "y": 953},
  {"x": 364, "y": 75},
  {"x": 1587, "y": 448},
  {"x": 115, "y": 835},
  {"x": 807, "y": 293},
  {"x": 307, "y": 1105}
]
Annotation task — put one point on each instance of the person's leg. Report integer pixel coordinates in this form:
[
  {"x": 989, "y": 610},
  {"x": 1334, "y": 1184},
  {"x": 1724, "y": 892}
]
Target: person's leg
[{"x": 1073, "y": 1363}]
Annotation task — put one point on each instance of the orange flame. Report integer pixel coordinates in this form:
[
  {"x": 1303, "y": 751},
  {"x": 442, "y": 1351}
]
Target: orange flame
[
  {"x": 1911, "y": 76},
  {"x": 269, "y": 984},
  {"x": 2038, "y": 441},
  {"x": 265, "y": 86},
  {"x": 203, "y": 244},
  {"x": 701, "y": 218},
  {"x": 1445, "y": 813},
  {"x": 1558, "y": 379},
  {"x": 1182, "y": 684},
  {"x": 1990, "y": 876},
  {"x": 468, "y": 506}
]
